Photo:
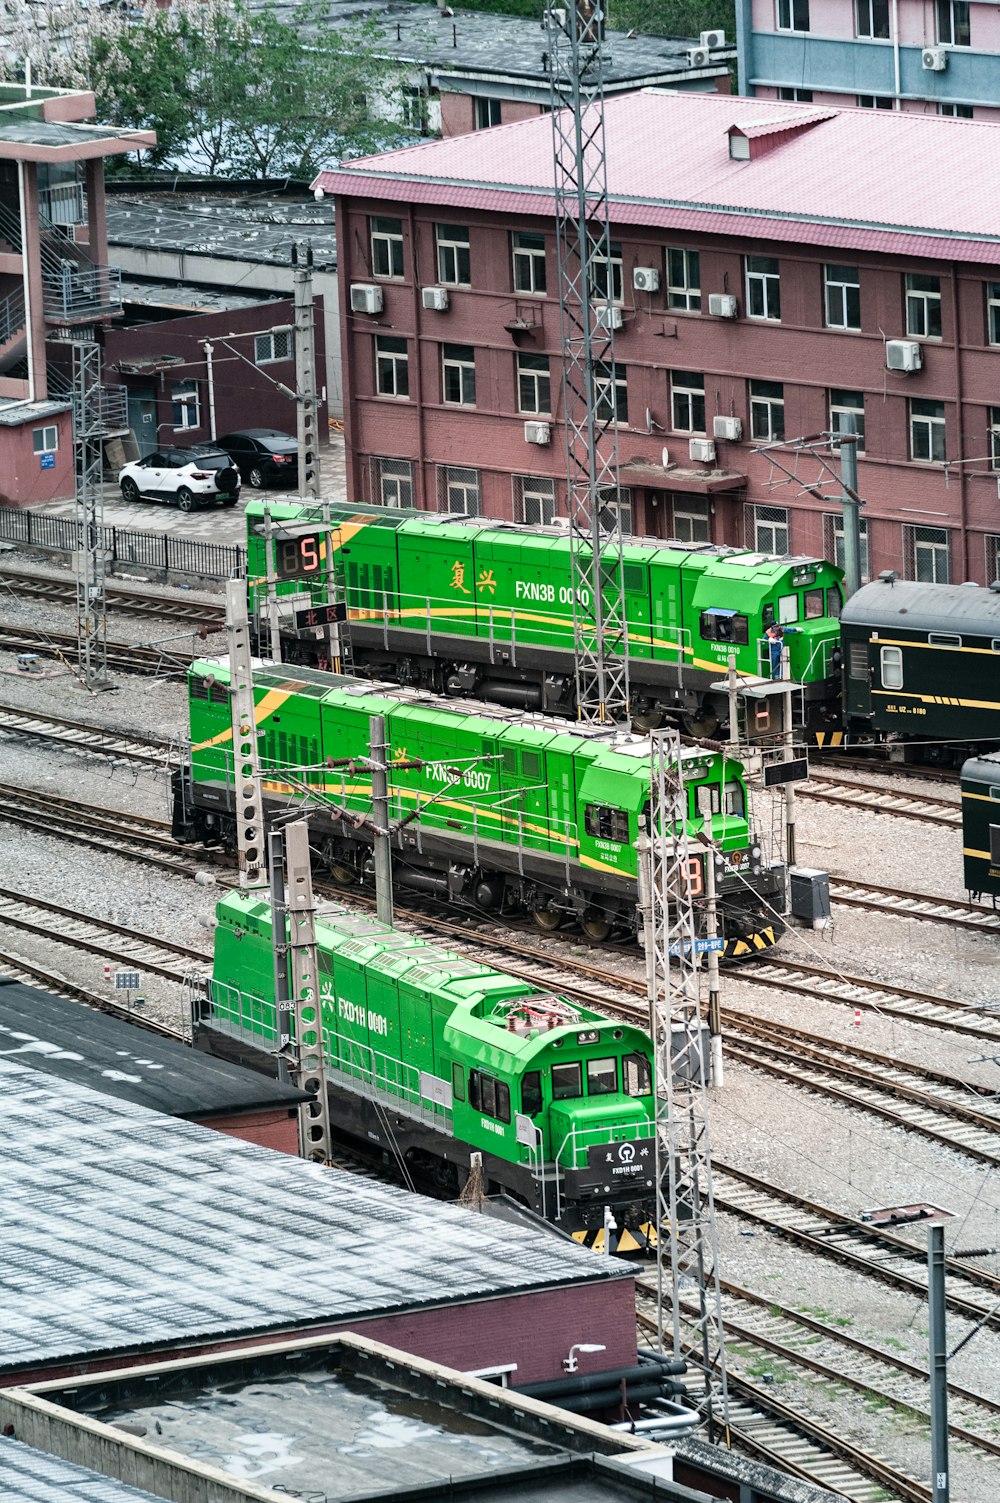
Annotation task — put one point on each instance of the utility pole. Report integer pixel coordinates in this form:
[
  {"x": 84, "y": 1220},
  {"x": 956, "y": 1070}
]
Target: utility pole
[
  {"x": 88, "y": 464},
  {"x": 850, "y": 506},
  {"x": 380, "y": 818},
  {"x": 306, "y": 388},
  {"x": 685, "y": 1212},
  {"x": 315, "y": 1139},
  {"x": 940, "y": 1490},
  {"x": 588, "y": 309},
  {"x": 246, "y": 759},
  {"x": 279, "y": 944},
  {"x": 788, "y": 755}
]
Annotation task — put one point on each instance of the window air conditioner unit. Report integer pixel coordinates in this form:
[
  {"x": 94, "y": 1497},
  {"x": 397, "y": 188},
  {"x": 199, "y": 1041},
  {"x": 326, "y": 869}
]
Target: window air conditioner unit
[
  {"x": 722, "y": 305},
  {"x": 645, "y": 279},
  {"x": 608, "y": 317},
  {"x": 934, "y": 59},
  {"x": 435, "y": 298},
  {"x": 365, "y": 298},
  {"x": 903, "y": 355},
  {"x": 729, "y": 428},
  {"x": 699, "y": 57},
  {"x": 702, "y": 450},
  {"x": 537, "y": 433},
  {"x": 712, "y": 39}
]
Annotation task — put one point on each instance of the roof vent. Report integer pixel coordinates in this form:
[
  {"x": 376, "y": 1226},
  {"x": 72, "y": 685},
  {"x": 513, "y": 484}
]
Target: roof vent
[
  {"x": 888, "y": 576},
  {"x": 995, "y": 587},
  {"x": 754, "y": 137}
]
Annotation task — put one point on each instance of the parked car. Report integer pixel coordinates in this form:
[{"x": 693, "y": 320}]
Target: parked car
[
  {"x": 202, "y": 474},
  {"x": 263, "y": 456}
]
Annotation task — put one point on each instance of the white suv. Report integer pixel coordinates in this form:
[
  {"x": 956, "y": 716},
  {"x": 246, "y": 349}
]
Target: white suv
[{"x": 184, "y": 477}]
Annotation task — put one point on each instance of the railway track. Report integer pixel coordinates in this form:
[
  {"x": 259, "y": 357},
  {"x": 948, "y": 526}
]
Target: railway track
[
  {"x": 970, "y": 1291},
  {"x": 16, "y": 967},
  {"x": 119, "y": 597},
  {"x": 135, "y": 837},
  {"x": 152, "y": 662},
  {"x": 916, "y": 905},
  {"x": 130, "y": 947},
  {"x": 97, "y": 740},
  {"x": 828, "y": 789}
]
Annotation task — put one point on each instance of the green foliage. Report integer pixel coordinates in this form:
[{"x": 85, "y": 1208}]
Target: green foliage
[{"x": 674, "y": 18}]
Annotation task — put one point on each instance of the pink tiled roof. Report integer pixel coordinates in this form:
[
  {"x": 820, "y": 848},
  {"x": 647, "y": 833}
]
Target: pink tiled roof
[{"x": 869, "y": 179}]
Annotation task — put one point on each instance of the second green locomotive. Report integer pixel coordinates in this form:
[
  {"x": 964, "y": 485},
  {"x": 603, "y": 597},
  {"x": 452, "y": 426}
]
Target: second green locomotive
[{"x": 496, "y": 811}]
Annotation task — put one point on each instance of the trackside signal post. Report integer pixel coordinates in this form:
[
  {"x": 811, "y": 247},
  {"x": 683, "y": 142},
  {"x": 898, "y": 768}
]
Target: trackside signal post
[
  {"x": 589, "y": 306},
  {"x": 685, "y": 1203}
]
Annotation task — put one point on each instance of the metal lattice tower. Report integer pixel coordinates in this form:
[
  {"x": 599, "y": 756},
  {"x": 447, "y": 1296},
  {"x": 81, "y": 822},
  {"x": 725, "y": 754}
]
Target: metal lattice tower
[
  {"x": 250, "y": 847},
  {"x": 88, "y": 465},
  {"x": 687, "y": 1259},
  {"x": 586, "y": 303}
]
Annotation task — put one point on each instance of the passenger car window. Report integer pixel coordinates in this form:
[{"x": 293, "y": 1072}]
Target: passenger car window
[
  {"x": 567, "y": 1080},
  {"x": 636, "y": 1075},
  {"x": 943, "y": 639},
  {"x": 892, "y": 667},
  {"x": 813, "y": 601},
  {"x": 602, "y": 1077}
]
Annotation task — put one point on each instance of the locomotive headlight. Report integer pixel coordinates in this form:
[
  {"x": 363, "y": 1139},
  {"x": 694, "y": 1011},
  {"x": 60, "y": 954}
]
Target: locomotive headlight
[
  {"x": 755, "y": 852},
  {"x": 590, "y": 1037}
]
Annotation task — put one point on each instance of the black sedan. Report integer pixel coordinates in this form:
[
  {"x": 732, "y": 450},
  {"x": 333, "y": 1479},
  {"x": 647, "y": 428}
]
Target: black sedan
[{"x": 263, "y": 456}]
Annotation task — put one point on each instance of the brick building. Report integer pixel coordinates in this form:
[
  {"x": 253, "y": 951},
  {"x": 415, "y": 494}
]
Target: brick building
[
  {"x": 790, "y": 271},
  {"x": 877, "y": 54}
]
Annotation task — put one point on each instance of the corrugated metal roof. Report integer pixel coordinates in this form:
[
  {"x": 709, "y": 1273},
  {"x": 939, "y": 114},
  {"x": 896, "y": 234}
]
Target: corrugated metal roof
[
  {"x": 28, "y": 1476},
  {"x": 73, "y": 1043},
  {"x": 123, "y": 1229},
  {"x": 15, "y": 412},
  {"x": 919, "y": 185}
]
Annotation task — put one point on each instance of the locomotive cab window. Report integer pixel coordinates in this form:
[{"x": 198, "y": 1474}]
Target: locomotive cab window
[
  {"x": 718, "y": 625},
  {"x": 531, "y": 1093},
  {"x": 788, "y": 609},
  {"x": 602, "y": 1077},
  {"x": 834, "y": 602},
  {"x": 813, "y": 602},
  {"x": 458, "y": 1082},
  {"x": 567, "y": 1080},
  {"x": 606, "y": 824},
  {"x": 891, "y": 659},
  {"x": 489, "y": 1096},
  {"x": 636, "y": 1075},
  {"x": 767, "y": 616}
]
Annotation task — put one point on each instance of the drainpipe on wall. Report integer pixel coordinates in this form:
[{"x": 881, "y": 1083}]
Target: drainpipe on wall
[
  {"x": 963, "y": 482},
  {"x": 418, "y": 385},
  {"x": 209, "y": 352},
  {"x": 895, "y": 52}
]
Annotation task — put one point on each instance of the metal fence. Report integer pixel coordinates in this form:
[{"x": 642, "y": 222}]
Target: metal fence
[{"x": 148, "y": 550}]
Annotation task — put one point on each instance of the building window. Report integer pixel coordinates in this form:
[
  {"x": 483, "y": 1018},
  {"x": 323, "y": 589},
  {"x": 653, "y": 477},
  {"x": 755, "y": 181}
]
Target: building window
[
  {"x": 684, "y": 280},
  {"x": 926, "y": 554},
  {"x": 458, "y": 375},
  {"x": 454, "y": 262},
  {"x": 392, "y": 482},
  {"x": 416, "y": 109},
  {"x": 767, "y": 410},
  {"x": 833, "y": 530},
  {"x": 534, "y": 389},
  {"x": 843, "y": 297},
  {"x": 534, "y": 500},
  {"x": 923, "y": 306},
  {"x": 687, "y": 399},
  {"x": 606, "y": 275},
  {"x": 927, "y": 430},
  {"x": 847, "y": 415},
  {"x": 692, "y": 523},
  {"x": 392, "y": 366},
  {"x": 993, "y": 312},
  {"x": 763, "y": 288},
  {"x": 875, "y": 102},
  {"x": 458, "y": 490},
  {"x": 796, "y": 96},
  {"x": 993, "y": 434},
  {"x": 487, "y": 113},
  {"x": 387, "y": 247},
  {"x": 957, "y": 111},
  {"x": 767, "y": 529},
  {"x": 529, "y": 263},
  {"x": 871, "y": 18},
  {"x": 616, "y": 509},
  {"x": 611, "y": 392},
  {"x": 270, "y": 347},
  {"x": 953, "y": 26},
  {"x": 185, "y": 405},
  {"x": 45, "y": 440},
  {"x": 793, "y": 15},
  {"x": 992, "y": 557}
]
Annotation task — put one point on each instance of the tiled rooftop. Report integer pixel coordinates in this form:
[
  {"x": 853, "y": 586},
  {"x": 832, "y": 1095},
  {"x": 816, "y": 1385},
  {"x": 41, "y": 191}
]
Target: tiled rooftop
[
  {"x": 898, "y": 182},
  {"x": 28, "y": 1476}
]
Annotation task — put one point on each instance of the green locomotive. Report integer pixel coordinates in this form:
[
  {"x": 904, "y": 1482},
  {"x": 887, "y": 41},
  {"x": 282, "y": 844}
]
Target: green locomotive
[
  {"x": 503, "y": 812},
  {"x": 485, "y": 610},
  {"x": 431, "y": 1057}
]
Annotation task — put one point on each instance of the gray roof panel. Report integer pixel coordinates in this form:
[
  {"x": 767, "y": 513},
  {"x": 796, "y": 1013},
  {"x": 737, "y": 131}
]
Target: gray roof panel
[
  {"x": 28, "y": 1476},
  {"x": 925, "y": 607}
]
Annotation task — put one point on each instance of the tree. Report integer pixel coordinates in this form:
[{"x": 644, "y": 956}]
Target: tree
[
  {"x": 227, "y": 90},
  {"x": 675, "y": 18}
]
